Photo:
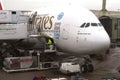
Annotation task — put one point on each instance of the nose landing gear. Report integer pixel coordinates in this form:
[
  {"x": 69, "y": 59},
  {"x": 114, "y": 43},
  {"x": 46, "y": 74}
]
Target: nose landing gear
[{"x": 87, "y": 66}]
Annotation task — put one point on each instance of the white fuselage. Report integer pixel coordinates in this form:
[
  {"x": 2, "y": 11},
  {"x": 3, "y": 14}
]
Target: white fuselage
[{"x": 75, "y": 30}]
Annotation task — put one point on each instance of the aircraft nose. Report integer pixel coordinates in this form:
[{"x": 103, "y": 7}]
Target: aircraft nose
[{"x": 103, "y": 41}]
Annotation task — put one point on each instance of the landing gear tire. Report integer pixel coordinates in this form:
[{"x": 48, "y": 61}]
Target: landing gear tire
[
  {"x": 90, "y": 68},
  {"x": 84, "y": 68},
  {"x": 87, "y": 68}
]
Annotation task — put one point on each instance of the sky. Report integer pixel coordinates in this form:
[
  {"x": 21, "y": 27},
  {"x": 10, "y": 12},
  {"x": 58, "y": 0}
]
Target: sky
[{"x": 113, "y": 5}]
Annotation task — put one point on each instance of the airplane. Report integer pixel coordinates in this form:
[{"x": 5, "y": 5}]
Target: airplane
[{"x": 74, "y": 30}]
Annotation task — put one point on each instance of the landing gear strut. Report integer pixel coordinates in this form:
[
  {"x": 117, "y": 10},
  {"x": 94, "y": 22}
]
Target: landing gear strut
[{"x": 87, "y": 66}]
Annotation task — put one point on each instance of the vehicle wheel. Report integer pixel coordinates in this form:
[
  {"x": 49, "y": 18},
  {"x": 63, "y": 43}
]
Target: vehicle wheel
[
  {"x": 83, "y": 68},
  {"x": 90, "y": 68}
]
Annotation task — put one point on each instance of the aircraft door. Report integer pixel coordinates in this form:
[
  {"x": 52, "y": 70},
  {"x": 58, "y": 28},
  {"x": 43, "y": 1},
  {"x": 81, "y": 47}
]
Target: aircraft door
[{"x": 57, "y": 30}]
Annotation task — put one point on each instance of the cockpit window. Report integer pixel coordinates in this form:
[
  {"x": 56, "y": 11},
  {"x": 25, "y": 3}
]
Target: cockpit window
[
  {"x": 82, "y": 25},
  {"x": 94, "y": 24},
  {"x": 100, "y": 24},
  {"x": 87, "y": 25}
]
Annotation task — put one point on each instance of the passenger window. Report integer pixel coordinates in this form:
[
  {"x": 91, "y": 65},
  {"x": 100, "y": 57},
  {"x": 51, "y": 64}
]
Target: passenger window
[
  {"x": 94, "y": 24},
  {"x": 82, "y": 26},
  {"x": 87, "y": 25}
]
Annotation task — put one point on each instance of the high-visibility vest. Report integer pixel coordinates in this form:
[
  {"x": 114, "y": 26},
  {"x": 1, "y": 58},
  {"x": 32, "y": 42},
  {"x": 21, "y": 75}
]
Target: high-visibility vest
[{"x": 49, "y": 41}]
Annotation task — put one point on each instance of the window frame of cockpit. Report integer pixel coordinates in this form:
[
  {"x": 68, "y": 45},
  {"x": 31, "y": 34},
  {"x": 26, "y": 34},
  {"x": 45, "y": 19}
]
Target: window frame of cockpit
[
  {"x": 88, "y": 24},
  {"x": 94, "y": 24}
]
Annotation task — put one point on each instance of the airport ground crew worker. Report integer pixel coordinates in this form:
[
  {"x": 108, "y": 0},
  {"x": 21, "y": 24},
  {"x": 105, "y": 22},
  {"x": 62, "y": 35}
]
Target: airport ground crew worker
[
  {"x": 50, "y": 44},
  {"x": 36, "y": 77},
  {"x": 49, "y": 41}
]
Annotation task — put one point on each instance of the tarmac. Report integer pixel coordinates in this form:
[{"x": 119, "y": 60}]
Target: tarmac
[
  {"x": 104, "y": 70},
  {"x": 29, "y": 75}
]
